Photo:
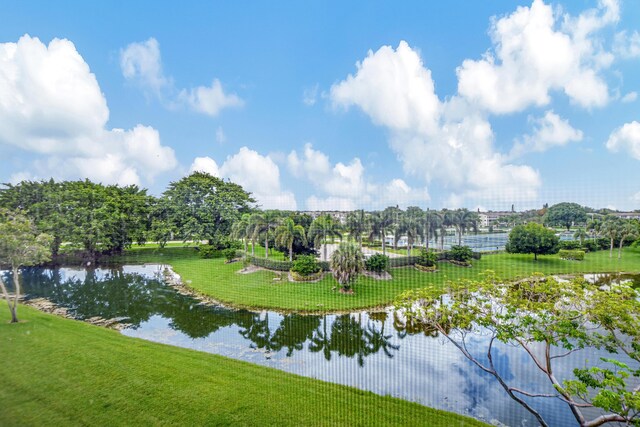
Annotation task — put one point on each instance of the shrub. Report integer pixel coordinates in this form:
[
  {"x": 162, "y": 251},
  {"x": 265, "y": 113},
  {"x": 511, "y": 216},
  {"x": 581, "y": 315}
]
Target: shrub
[
  {"x": 571, "y": 254},
  {"x": 590, "y": 246},
  {"x": 229, "y": 254},
  {"x": 462, "y": 254},
  {"x": 377, "y": 263},
  {"x": 403, "y": 261},
  {"x": 427, "y": 258},
  {"x": 306, "y": 278},
  {"x": 305, "y": 265},
  {"x": 569, "y": 244},
  {"x": 271, "y": 264},
  {"x": 208, "y": 251}
]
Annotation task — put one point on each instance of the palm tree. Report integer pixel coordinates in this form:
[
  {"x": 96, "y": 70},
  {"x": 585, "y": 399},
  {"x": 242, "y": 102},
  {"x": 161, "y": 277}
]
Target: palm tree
[
  {"x": 379, "y": 223},
  {"x": 628, "y": 229},
  {"x": 321, "y": 229},
  {"x": 462, "y": 220},
  {"x": 432, "y": 223},
  {"x": 448, "y": 218},
  {"x": 346, "y": 263},
  {"x": 287, "y": 233},
  {"x": 611, "y": 228},
  {"x": 240, "y": 230},
  {"x": 395, "y": 213},
  {"x": 580, "y": 234},
  {"x": 412, "y": 227},
  {"x": 357, "y": 224},
  {"x": 263, "y": 225}
]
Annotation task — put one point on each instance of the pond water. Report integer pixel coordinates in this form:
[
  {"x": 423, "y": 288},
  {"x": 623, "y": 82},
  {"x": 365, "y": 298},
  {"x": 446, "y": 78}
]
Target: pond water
[
  {"x": 483, "y": 242},
  {"x": 374, "y": 351}
]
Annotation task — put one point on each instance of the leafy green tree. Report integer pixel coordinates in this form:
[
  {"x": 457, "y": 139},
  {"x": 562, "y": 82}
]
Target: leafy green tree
[
  {"x": 566, "y": 214},
  {"x": 21, "y": 245},
  {"x": 377, "y": 263},
  {"x": 347, "y": 262},
  {"x": 357, "y": 223},
  {"x": 532, "y": 238},
  {"x": 287, "y": 233},
  {"x": 205, "y": 207},
  {"x": 160, "y": 227},
  {"x": 322, "y": 228},
  {"x": 549, "y": 321}
]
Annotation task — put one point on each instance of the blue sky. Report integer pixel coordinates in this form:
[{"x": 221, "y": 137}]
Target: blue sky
[{"x": 330, "y": 105}]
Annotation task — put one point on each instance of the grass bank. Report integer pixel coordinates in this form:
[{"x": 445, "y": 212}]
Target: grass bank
[
  {"x": 59, "y": 372},
  {"x": 262, "y": 289}
]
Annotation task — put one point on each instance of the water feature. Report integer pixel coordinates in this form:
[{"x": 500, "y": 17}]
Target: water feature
[{"x": 375, "y": 351}]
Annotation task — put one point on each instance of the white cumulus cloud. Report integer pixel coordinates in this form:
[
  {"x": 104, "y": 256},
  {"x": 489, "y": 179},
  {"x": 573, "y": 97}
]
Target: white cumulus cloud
[
  {"x": 627, "y": 139},
  {"x": 206, "y": 165},
  {"x": 209, "y": 100},
  {"x": 343, "y": 185},
  {"x": 450, "y": 142},
  {"x": 549, "y": 131},
  {"x": 141, "y": 62},
  {"x": 629, "y": 97},
  {"x": 256, "y": 173},
  {"x": 393, "y": 88},
  {"x": 532, "y": 57},
  {"x": 52, "y": 106}
]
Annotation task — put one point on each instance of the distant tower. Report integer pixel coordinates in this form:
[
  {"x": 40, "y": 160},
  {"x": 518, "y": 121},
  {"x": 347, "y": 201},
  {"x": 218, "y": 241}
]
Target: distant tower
[{"x": 512, "y": 208}]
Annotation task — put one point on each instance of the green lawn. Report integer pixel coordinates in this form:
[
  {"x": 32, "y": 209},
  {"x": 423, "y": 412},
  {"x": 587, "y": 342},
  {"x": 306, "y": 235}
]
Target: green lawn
[
  {"x": 259, "y": 290},
  {"x": 56, "y": 371}
]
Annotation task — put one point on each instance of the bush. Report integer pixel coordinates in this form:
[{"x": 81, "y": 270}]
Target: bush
[
  {"x": 403, "y": 261},
  {"x": 590, "y": 246},
  {"x": 377, "y": 263},
  {"x": 571, "y": 254},
  {"x": 308, "y": 278},
  {"x": 270, "y": 264},
  {"x": 305, "y": 265},
  {"x": 462, "y": 254},
  {"x": 569, "y": 244},
  {"x": 427, "y": 258},
  {"x": 208, "y": 251},
  {"x": 229, "y": 254}
]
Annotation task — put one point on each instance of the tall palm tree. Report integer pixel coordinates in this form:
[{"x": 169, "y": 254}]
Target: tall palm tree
[
  {"x": 356, "y": 224},
  {"x": 628, "y": 229},
  {"x": 263, "y": 224},
  {"x": 346, "y": 263},
  {"x": 379, "y": 224},
  {"x": 412, "y": 227},
  {"x": 287, "y": 233},
  {"x": 240, "y": 230},
  {"x": 432, "y": 223},
  {"x": 611, "y": 229},
  {"x": 580, "y": 234},
  {"x": 448, "y": 218},
  {"x": 322, "y": 228},
  {"x": 395, "y": 213},
  {"x": 463, "y": 220}
]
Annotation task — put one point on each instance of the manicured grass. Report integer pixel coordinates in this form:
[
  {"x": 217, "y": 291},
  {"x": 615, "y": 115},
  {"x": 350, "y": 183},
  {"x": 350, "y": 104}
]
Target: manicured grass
[
  {"x": 56, "y": 371},
  {"x": 259, "y": 290}
]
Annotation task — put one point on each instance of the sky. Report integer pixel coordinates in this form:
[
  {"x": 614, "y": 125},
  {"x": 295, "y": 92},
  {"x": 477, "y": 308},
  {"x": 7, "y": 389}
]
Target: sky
[{"x": 330, "y": 105}]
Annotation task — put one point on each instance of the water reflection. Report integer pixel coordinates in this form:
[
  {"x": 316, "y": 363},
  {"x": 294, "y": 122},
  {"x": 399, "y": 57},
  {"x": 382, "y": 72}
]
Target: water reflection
[{"x": 377, "y": 351}]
